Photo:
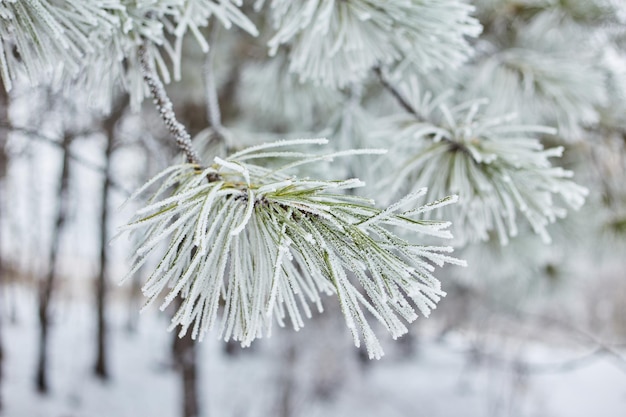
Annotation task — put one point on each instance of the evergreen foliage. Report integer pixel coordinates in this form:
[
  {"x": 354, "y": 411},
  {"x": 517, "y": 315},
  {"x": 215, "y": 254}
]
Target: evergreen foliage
[
  {"x": 500, "y": 168},
  {"x": 478, "y": 101},
  {"x": 267, "y": 243}
]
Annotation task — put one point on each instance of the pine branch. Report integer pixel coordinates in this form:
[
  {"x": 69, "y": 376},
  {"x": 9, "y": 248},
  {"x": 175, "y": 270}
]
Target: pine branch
[
  {"x": 266, "y": 239},
  {"x": 165, "y": 107},
  {"x": 337, "y": 43},
  {"x": 499, "y": 169}
]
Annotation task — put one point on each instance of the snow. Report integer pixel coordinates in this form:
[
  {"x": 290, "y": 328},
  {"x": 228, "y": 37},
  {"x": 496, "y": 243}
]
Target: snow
[{"x": 440, "y": 379}]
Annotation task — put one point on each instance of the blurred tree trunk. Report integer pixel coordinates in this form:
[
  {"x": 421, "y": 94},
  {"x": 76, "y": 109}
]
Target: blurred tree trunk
[
  {"x": 134, "y": 292},
  {"x": 46, "y": 286},
  {"x": 1, "y": 361},
  {"x": 408, "y": 344},
  {"x": 109, "y": 124},
  {"x": 4, "y": 119},
  {"x": 185, "y": 355},
  {"x": 286, "y": 403},
  {"x": 134, "y": 296}
]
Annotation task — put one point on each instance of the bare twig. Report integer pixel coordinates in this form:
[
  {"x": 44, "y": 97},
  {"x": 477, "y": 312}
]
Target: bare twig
[
  {"x": 406, "y": 105},
  {"x": 536, "y": 367},
  {"x": 398, "y": 95},
  {"x": 34, "y": 134},
  {"x": 214, "y": 115},
  {"x": 600, "y": 348},
  {"x": 165, "y": 107}
]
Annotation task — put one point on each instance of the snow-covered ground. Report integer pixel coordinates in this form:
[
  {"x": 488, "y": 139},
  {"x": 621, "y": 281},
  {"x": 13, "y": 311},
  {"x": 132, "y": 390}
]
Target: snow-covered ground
[{"x": 439, "y": 379}]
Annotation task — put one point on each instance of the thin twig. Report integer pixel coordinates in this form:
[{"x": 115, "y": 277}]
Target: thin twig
[
  {"x": 214, "y": 115},
  {"x": 535, "y": 367},
  {"x": 34, "y": 134},
  {"x": 601, "y": 348},
  {"x": 165, "y": 107},
  {"x": 564, "y": 366},
  {"x": 406, "y": 105},
  {"x": 398, "y": 95}
]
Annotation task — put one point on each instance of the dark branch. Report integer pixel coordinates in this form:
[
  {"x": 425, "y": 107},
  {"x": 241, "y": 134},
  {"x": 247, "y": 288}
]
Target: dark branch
[
  {"x": 34, "y": 134},
  {"x": 165, "y": 107},
  {"x": 404, "y": 103},
  {"x": 398, "y": 96}
]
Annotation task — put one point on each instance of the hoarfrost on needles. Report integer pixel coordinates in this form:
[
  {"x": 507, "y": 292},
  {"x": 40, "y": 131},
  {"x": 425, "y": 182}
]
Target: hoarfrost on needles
[{"x": 267, "y": 244}]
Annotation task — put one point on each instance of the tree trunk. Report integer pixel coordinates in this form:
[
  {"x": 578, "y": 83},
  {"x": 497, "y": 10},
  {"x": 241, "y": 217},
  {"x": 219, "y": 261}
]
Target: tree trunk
[
  {"x": 134, "y": 304},
  {"x": 287, "y": 395},
  {"x": 185, "y": 360},
  {"x": 1, "y": 292},
  {"x": 155, "y": 159},
  {"x": 46, "y": 286},
  {"x": 1, "y": 361},
  {"x": 4, "y": 119},
  {"x": 101, "y": 367}
]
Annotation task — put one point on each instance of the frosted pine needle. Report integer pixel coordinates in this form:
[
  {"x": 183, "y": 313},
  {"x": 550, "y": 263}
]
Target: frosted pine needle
[
  {"x": 260, "y": 245},
  {"x": 336, "y": 43}
]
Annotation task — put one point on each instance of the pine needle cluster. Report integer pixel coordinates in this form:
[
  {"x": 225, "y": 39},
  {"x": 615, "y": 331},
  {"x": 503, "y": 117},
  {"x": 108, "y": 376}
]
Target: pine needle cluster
[
  {"x": 254, "y": 245},
  {"x": 498, "y": 168}
]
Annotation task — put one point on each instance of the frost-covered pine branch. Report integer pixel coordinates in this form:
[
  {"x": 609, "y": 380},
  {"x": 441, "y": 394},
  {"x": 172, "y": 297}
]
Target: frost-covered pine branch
[
  {"x": 36, "y": 36},
  {"x": 252, "y": 239},
  {"x": 267, "y": 244},
  {"x": 67, "y": 39},
  {"x": 337, "y": 42},
  {"x": 547, "y": 76},
  {"x": 498, "y": 168}
]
